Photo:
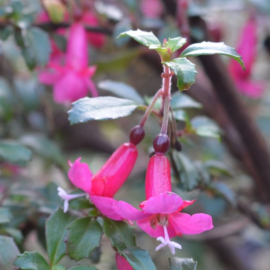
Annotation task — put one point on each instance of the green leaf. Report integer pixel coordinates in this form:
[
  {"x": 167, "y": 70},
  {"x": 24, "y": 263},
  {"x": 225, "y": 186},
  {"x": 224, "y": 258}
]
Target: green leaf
[
  {"x": 208, "y": 48},
  {"x": 181, "y": 115},
  {"x": 100, "y": 108},
  {"x": 117, "y": 61},
  {"x": 120, "y": 234},
  {"x": 119, "y": 28},
  {"x": 145, "y": 38},
  {"x": 188, "y": 174},
  {"x": 139, "y": 259},
  {"x": 184, "y": 70},
  {"x": 44, "y": 147},
  {"x": 59, "y": 267},
  {"x": 8, "y": 252},
  {"x": 29, "y": 58},
  {"x": 56, "y": 232},
  {"x": 176, "y": 43},
  {"x": 225, "y": 191},
  {"x": 82, "y": 267},
  {"x": 217, "y": 168},
  {"x": 6, "y": 32},
  {"x": 5, "y": 215},
  {"x": 14, "y": 152},
  {"x": 121, "y": 89},
  {"x": 182, "y": 101},
  {"x": 84, "y": 236},
  {"x": 31, "y": 261},
  {"x": 39, "y": 45},
  {"x": 182, "y": 264},
  {"x": 205, "y": 127}
]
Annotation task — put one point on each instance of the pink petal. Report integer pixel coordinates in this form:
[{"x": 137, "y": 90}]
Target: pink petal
[
  {"x": 106, "y": 206},
  {"x": 187, "y": 224},
  {"x": 77, "y": 53},
  {"x": 145, "y": 225},
  {"x": 164, "y": 203},
  {"x": 70, "y": 87},
  {"x": 127, "y": 211},
  {"x": 80, "y": 175}
]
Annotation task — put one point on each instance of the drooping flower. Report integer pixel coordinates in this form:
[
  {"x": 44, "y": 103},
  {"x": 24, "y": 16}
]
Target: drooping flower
[
  {"x": 122, "y": 263},
  {"x": 247, "y": 48},
  {"x": 102, "y": 186},
  {"x": 71, "y": 81},
  {"x": 160, "y": 216},
  {"x": 151, "y": 8}
]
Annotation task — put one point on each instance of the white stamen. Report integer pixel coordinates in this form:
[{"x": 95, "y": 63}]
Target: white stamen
[
  {"x": 167, "y": 242},
  {"x": 67, "y": 197}
]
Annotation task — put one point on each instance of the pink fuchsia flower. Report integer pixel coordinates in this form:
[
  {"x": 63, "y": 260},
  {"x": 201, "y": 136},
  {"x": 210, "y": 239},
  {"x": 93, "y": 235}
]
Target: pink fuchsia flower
[
  {"x": 71, "y": 81},
  {"x": 102, "y": 186},
  {"x": 247, "y": 48},
  {"x": 151, "y": 8},
  {"x": 160, "y": 216},
  {"x": 122, "y": 263}
]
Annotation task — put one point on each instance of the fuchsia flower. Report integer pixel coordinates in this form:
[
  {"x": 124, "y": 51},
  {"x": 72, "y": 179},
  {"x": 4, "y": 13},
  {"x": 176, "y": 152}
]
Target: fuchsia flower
[
  {"x": 151, "y": 8},
  {"x": 247, "y": 47},
  {"x": 102, "y": 186},
  {"x": 122, "y": 263},
  {"x": 71, "y": 81},
  {"x": 160, "y": 216}
]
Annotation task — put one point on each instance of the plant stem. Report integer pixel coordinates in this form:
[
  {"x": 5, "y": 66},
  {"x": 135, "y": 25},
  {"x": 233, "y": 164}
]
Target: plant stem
[
  {"x": 150, "y": 107},
  {"x": 167, "y": 75}
]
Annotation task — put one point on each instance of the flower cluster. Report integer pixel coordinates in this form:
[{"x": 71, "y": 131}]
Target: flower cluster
[{"x": 160, "y": 215}]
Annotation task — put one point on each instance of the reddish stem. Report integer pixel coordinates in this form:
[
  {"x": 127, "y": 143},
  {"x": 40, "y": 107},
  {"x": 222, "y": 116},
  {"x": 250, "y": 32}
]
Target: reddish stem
[
  {"x": 166, "y": 87},
  {"x": 150, "y": 107}
]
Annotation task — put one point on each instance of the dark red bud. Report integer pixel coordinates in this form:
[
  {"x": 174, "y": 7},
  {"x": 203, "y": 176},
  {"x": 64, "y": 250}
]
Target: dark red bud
[
  {"x": 161, "y": 143},
  {"x": 136, "y": 135}
]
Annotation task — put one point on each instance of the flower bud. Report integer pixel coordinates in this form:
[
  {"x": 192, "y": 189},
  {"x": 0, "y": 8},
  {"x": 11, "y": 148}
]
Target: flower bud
[
  {"x": 115, "y": 171},
  {"x": 158, "y": 176}
]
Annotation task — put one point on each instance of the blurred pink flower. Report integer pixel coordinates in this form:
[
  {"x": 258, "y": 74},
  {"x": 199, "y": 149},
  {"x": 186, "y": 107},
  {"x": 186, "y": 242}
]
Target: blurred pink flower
[
  {"x": 247, "y": 48},
  {"x": 160, "y": 216},
  {"x": 71, "y": 81},
  {"x": 122, "y": 263},
  {"x": 102, "y": 186},
  {"x": 151, "y": 8}
]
